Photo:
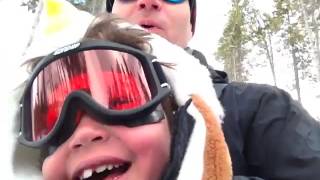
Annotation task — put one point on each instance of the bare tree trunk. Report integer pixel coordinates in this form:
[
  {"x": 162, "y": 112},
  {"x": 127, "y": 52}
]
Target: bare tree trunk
[
  {"x": 304, "y": 16},
  {"x": 318, "y": 51},
  {"x": 240, "y": 74},
  {"x": 235, "y": 71},
  {"x": 269, "y": 49},
  {"x": 294, "y": 50},
  {"x": 34, "y": 26},
  {"x": 234, "y": 67},
  {"x": 317, "y": 41},
  {"x": 312, "y": 31},
  {"x": 230, "y": 65}
]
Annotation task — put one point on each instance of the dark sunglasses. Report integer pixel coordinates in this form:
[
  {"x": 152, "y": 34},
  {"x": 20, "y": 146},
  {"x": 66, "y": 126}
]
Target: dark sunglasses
[
  {"x": 168, "y": 1},
  {"x": 114, "y": 83}
]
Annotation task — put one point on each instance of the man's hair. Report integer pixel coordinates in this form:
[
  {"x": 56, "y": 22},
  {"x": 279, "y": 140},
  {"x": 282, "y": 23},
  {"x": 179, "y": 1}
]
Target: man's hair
[{"x": 193, "y": 10}]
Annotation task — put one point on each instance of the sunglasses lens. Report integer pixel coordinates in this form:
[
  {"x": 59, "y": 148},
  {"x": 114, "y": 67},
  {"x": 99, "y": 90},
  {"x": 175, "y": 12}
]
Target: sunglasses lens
[
  {"x": 175, "y": 1},
  {"x": 169, "y": 1},
  {"x": 115, "y": 80}
]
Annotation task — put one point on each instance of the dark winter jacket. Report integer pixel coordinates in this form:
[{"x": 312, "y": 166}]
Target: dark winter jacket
[{"x": 269, "y": 135}]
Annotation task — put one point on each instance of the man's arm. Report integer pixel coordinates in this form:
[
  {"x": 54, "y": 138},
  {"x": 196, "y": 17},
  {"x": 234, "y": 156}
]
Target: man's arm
[{"x": 281, "y": 139}]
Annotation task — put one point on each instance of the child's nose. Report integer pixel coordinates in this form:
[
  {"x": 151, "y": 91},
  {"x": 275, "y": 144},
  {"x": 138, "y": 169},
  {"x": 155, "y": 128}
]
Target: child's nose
[{"x": 89, "y": 132}]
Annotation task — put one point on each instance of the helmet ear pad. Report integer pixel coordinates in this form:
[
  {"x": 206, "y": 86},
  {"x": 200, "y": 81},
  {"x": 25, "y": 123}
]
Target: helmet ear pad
[
  {"x": 181, "y": 129},
  {"x": 109, "y": 4},
  {"x": 193, "y": 14}
]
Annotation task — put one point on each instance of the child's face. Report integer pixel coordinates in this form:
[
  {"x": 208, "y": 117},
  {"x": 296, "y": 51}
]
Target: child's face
[{"x": 141, "y": 152}]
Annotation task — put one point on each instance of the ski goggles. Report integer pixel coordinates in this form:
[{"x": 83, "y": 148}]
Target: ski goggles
[{"x": 114, "y": 83}]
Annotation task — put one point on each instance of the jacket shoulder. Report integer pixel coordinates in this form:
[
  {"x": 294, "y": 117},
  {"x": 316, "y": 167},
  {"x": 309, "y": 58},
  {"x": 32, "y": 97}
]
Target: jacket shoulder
[{"x": 276, "y": 132}]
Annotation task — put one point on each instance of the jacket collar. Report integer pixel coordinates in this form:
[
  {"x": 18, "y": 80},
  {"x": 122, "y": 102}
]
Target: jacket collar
[{"x": 216, "y": 75}]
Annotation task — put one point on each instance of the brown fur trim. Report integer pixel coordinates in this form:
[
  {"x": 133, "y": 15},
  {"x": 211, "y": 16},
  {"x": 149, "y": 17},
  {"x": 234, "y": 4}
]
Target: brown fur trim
[{"x": 217, "y": 161}]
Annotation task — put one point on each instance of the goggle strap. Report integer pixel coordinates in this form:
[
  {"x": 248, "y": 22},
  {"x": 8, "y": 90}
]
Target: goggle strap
[
  {"x": 159, "y": 71},
  {"x": 154, "y": 117}
]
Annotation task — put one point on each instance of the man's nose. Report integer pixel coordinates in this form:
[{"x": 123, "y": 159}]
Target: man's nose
[
  {"x": 150, "y": 4},
  {"x": 89, "y": 132}
]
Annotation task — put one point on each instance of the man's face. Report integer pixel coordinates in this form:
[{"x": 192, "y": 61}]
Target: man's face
[
  {"x": 129, "y": 153},
  {"x": 171, "y": 21}
]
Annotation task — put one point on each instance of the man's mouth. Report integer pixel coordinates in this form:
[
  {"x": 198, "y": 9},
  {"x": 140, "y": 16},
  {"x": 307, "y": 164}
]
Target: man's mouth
[
  {"x": 147, "y": 26},
  {"x": 104, "y": 171},
  {"x": 150, "y": 25}
]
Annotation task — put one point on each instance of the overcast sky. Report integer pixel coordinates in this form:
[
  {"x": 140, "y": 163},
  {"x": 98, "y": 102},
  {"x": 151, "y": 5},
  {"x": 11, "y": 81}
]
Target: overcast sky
[{"x": 211, "y": 18}]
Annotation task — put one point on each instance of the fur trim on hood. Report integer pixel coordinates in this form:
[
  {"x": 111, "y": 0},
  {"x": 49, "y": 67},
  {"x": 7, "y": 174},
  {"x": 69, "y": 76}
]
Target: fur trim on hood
[{"x": 207, "y": 156}]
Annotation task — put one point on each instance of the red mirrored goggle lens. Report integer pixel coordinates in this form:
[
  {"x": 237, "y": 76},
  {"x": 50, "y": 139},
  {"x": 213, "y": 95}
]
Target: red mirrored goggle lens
[{"x": 116, "y": 80}]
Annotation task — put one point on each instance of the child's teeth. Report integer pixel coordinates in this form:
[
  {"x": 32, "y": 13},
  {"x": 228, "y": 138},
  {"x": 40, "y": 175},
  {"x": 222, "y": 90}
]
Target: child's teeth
[
  {"x": 87, "y": 173},
  {"x": 101, "y": 168},
  {"x": 109, "y": 167}
]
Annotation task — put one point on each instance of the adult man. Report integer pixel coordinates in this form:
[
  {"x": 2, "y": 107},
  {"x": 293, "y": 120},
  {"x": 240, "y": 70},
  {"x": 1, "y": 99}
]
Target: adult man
[{"x": 269, "y": 135}]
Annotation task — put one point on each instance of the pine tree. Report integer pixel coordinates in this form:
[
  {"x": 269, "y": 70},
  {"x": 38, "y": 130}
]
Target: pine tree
[
  {"x": 295, "y": 39},
  {"x": 232, "y": 46},
  {"x": 311, "y": 10},
  {"x": 263, "y": 28}
]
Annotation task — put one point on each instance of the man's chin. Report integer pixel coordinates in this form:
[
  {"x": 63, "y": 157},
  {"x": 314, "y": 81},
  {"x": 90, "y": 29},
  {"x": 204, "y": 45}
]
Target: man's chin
[{"x": 157, "y": 31}]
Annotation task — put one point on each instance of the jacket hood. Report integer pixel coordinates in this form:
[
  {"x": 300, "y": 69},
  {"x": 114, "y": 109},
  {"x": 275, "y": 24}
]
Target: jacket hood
[{"x": 206, "y": 154}]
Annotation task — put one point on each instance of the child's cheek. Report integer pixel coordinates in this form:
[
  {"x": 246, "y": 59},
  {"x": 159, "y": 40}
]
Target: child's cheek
[
  {"x": 150, "y": 139},
  {"x": 54, "y": 168}
]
